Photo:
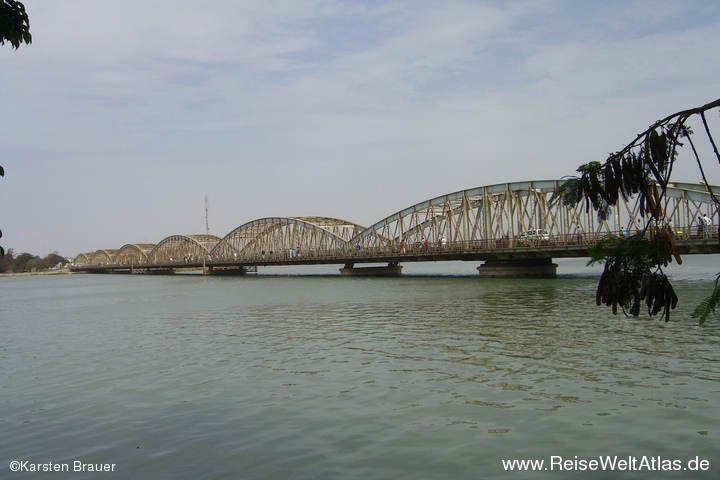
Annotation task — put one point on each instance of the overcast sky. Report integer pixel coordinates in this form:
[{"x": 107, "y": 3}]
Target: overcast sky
[{"x": 123, "y": 115}]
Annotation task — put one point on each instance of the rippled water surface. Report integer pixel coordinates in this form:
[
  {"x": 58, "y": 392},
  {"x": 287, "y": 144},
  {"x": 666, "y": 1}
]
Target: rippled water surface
[{"x": 314, "y": 377}]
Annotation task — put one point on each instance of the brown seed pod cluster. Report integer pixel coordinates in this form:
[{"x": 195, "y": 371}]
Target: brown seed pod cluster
[
  {"x": 659, "y": 295},
  {"x": 666, "y": 249},
  {"x": 603, "y": 295}
]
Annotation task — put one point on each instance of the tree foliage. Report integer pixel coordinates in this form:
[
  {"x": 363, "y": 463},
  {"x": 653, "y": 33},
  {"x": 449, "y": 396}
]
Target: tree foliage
[
  {"x": 633, "y": 272},
  {"x": 708, "y": 306},
  {"x": 14, "y": 24},
  {"x": 27, "y": 262}
]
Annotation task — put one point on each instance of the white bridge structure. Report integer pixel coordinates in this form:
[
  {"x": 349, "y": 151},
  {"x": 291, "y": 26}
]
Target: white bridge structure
[{"x": 512, "y": 228}]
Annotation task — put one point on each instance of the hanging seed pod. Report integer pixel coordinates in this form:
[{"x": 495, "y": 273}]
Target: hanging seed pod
[{"x": 657, "y": 149}]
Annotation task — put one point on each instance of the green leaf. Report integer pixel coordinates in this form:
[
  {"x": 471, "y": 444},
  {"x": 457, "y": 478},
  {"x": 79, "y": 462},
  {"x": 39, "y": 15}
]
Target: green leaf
[{"x": 708, "y": 305}]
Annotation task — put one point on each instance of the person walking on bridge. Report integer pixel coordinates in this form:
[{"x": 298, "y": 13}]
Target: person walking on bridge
[{"x": 706, "y": 225}]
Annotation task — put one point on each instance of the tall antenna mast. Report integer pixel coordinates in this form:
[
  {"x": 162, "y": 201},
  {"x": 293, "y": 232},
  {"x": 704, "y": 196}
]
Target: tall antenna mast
[{"x": 207, "y": 226}]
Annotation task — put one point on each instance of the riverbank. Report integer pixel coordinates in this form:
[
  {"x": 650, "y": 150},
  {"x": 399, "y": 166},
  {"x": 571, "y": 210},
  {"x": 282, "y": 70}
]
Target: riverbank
[{"x": 59, "y": 271}]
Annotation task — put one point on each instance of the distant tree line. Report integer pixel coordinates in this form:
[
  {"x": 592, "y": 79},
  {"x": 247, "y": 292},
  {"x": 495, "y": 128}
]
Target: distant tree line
[{"x": 27, "y": 262}]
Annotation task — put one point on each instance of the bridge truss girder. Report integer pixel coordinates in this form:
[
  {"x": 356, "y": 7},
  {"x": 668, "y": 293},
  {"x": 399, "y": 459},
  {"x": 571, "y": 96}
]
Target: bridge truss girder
[
  {"x": 183, "y": 248},
  {"x": 103, "y": 257},
  {"x": 275, "y": 237},
  {"x": 685, "y": 202},
  {"x": 481, "y": 218},
  {"x": 134, "y": 253},
  {"x": 83, "y": 258}
]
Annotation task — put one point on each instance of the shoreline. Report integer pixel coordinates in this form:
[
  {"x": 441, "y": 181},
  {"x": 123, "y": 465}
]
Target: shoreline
[{"x": 59, "y": 271}]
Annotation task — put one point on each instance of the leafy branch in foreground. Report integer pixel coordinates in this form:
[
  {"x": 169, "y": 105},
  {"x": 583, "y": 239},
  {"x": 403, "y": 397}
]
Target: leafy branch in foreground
[
  {"x": 634, "y": 264},
  {"x": 14, "y": 23},
  {"x": 708, "y": 306}
]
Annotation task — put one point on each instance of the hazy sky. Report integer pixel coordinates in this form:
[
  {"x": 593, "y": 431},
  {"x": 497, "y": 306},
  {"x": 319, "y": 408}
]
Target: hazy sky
[{"x": 123, "y": 115}]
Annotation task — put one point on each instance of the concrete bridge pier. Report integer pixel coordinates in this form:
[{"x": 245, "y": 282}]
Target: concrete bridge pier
[
  {"x": 160, "y": 271},
  {"x": 225, "y": 271},
  {"x": 519, "y": 268},
  {"x": 391, "y": 270}
]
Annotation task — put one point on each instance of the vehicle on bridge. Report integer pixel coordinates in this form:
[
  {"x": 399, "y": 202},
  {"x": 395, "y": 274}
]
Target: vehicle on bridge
[{"x": 534, "y": 237}]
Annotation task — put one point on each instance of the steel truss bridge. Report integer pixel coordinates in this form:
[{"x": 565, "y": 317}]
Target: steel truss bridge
[{"x": 512, "y": 227}]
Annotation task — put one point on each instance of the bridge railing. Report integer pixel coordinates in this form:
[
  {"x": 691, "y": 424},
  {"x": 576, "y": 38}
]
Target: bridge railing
[
  {"x": 582, "y": 240},
  {"x": 400, "y": 250}
]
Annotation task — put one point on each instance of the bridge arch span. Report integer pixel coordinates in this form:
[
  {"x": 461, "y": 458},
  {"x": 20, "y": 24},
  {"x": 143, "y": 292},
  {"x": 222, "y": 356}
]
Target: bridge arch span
[
  {"x": 492, "y": 216},
  {"x": 134, "y": 253},
  {"x": 183, "y": 248},
  {"x": 103, "y": 257},
  {"x": 83, "y": 258},
  {"x": 686, "y": 202},
  {"x": 274, "y": 238}
]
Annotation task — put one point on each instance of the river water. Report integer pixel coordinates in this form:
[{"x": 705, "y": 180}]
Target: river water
[{"x": 435, "y": 375}]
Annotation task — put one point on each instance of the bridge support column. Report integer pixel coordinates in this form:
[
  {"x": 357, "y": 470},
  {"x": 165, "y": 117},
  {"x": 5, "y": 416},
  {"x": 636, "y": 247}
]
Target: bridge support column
[
  {"x": 391, "y": 270},
  {"x": 531, "y": 268}
]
